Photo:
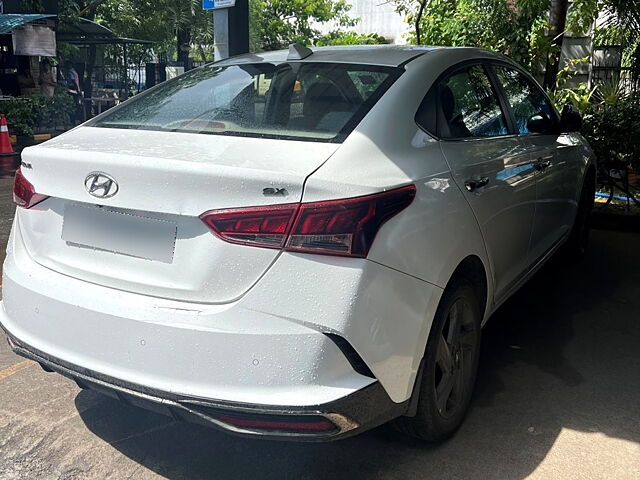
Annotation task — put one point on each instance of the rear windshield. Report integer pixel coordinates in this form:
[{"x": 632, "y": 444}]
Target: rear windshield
[{"x": 302, "y": 101}]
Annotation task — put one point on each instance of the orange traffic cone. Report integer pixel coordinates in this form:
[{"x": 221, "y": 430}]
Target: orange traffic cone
[
  {"x": 5, "y": 140},
  {"x": 7, "y": 155}
]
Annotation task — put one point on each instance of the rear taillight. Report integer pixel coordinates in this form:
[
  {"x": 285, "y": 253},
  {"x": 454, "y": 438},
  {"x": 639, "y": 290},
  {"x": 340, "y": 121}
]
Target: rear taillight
[
  {"x": 334, "y": 227},
  {"x": 24, "y": 193},
  {"x": 348, "y": 226},
  {"x": 258, "y": 226}
]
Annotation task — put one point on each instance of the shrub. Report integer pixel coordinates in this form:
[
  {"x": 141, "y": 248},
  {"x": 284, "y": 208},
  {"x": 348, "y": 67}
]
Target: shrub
[
  {"x": 21, "y": 115},
  {"x": 339, "y": 37},
  {"x": 56, "y": 111},
  {"x": 613, "y": 130},
  {"x": 27, "y": 114}
]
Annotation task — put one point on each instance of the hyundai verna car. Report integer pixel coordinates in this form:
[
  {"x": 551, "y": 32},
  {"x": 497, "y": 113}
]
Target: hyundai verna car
[{"x": 300, "y": 244}]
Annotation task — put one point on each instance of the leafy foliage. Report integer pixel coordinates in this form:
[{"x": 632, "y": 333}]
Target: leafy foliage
[
  {"x": 277, "y": 23},
  {"x": 626, "y": 11},
  {"x": 34, "y": 6},
  {"x": 493, "y": 24},
  {"x": 21, "y": 115},
  {"x": 613, "y": 130},
  {"x": 26, "y": 114},
  {"x": 176, "y": 25},
  {"x": 582, "y": 14},
  {"x": 610, "y": 93},
  {"x": 517, "y": 28},
  {"x": 621, "y": 28},
  {"x": 581, "y": 96},
  {"x": 339, "y": 37},
  {"x": 160, "y": 21}
]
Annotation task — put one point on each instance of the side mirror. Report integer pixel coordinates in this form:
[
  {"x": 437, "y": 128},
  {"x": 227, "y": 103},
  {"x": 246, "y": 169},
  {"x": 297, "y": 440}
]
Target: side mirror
[
  {"x": 570, "y": 120},
  {"x": 539, "y": 123}
]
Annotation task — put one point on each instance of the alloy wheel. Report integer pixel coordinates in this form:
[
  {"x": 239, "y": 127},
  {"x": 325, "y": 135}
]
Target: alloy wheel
[{"x": 457, "y": 344}]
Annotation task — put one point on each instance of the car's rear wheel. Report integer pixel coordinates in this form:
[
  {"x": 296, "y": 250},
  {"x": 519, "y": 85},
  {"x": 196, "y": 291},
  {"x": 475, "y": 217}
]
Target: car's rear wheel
[{"x": 450, "y": 366}]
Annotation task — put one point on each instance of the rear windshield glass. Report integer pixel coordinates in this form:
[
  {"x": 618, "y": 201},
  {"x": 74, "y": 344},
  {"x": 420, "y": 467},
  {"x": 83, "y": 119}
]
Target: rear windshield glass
[{"x": 303, "y": 101}]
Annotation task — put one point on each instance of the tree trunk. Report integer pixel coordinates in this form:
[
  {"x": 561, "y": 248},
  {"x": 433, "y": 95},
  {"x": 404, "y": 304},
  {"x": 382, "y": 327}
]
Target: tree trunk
[
  {"x": 557, "y": 23},
  {"x": 423, "y": 5}
]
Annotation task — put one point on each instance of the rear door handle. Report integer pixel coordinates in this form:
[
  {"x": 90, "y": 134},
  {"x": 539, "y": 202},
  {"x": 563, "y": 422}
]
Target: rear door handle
[
  {"x": 543, "y": 164},
  {"x": 475, "y": 184}
]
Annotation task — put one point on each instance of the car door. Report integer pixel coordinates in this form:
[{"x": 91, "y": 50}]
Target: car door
[
  {"x": 491, "y": 166},
  {"x": 557, "y": 169}
]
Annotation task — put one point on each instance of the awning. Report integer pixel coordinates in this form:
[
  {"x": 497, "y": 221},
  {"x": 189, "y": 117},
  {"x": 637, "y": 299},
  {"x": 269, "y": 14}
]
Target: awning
[
  {"x": 87, "y": 32},
  {"x": 9, "y": 21},
  {"x": 81, "y": 32}
]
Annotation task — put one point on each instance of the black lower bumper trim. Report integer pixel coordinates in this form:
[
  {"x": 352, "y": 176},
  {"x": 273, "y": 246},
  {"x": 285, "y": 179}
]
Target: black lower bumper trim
[{"x": 355, "y": 413}]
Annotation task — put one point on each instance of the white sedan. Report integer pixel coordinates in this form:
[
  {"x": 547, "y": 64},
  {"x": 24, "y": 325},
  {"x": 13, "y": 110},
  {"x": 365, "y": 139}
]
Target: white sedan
[{"x": 299, "y": 244}]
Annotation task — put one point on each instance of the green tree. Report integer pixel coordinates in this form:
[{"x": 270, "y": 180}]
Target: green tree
[
  {"x": 338, "y": 37},
  {"x": 577, "y": 18},
  {"x": 176, "y": 26},
  {"x": 497, "y": 25},
  {"x": 529, "y": 31},
  {"x": 277, "y": 23}
]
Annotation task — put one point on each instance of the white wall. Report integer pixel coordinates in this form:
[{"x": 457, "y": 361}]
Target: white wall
[{"x": 376, "y": 16}]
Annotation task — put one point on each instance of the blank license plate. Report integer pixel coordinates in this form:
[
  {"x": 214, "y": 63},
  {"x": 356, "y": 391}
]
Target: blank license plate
[{"x": 118, "y": 232}]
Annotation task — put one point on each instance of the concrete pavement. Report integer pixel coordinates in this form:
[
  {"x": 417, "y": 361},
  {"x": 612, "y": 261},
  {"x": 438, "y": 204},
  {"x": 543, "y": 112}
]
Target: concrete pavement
[{"x": 558, "y": 397}]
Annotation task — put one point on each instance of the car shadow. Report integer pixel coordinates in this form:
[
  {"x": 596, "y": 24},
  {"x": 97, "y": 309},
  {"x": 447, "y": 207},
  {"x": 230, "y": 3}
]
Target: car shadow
[{"x": 561, "y": 354}]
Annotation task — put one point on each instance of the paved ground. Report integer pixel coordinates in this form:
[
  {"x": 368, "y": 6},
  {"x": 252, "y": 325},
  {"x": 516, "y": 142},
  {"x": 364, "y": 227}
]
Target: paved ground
[{"x": 558, "y": 398}]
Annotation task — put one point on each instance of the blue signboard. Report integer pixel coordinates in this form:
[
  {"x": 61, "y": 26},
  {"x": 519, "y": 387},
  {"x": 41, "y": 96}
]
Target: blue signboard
[{"x": 216, "y": 4}]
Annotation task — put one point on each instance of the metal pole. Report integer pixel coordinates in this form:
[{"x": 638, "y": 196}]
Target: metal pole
[
  {"x": 126, "y": 71},
  {"x": 239, "y": 28},
  {"x": 221, "y": 34},
  {"x": 231, "y": 30}
]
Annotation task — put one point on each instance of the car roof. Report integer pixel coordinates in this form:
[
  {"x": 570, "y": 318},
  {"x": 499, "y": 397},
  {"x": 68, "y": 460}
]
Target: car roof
[{"x": 383, "y": 55}]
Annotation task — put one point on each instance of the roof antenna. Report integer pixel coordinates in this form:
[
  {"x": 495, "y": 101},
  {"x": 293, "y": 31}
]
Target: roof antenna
[{"x": 298, "y": 52}]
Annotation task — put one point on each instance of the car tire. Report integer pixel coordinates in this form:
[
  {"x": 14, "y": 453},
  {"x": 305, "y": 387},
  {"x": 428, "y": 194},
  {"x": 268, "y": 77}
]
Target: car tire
[
  {"x": 578, "y": 241},
  {"x": 442, "y": 405}
]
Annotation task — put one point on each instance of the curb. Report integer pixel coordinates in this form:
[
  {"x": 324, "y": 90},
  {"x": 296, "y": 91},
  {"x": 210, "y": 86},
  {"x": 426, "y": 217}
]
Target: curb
[{"x": 37, "y": 137}]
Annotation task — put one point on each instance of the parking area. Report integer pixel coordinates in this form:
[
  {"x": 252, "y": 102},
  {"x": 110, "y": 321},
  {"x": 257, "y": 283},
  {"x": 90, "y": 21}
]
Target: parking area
[{"x": 558, "y": 397}]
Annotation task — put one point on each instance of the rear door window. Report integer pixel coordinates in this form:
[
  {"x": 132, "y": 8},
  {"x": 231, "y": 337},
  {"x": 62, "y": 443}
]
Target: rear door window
[
  {"x": 524, "y": 96},
  {"x": 469, "y": 106}
]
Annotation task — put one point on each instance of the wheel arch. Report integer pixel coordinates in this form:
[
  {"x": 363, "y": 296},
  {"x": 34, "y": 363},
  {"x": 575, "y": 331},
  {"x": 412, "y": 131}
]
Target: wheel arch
[{"x": 473, "y": 269}]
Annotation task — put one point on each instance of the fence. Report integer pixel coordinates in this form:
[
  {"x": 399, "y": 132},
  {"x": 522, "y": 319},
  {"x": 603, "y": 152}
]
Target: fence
[{"x": 607, "y": 68}]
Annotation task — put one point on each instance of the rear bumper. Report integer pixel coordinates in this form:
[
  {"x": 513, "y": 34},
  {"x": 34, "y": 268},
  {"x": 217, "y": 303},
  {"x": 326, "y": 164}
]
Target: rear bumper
[
  {"x": 228, "y": 353},
  {"x": 317, "y": 339},
  {"x": 279, "y": 344},
  {"x": 347, "y": 416}
]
